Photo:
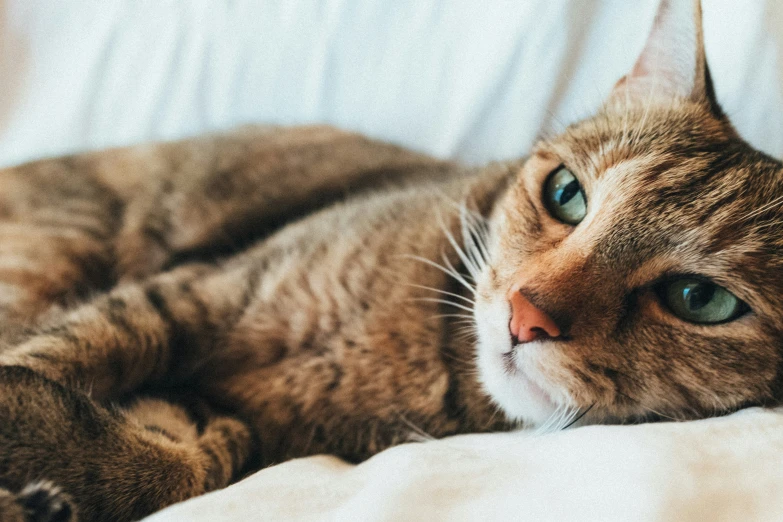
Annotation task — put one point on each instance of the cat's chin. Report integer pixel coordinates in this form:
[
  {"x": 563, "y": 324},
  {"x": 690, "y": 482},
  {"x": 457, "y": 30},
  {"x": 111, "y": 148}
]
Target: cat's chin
[
  {"x": 508, "y": 383},
  {"x": 515, "y": 393}
]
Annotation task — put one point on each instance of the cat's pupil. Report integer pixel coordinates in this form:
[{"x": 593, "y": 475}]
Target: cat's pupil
[
  {"x": 565, "y": 194},
  {"x": 698, "y": 296}
]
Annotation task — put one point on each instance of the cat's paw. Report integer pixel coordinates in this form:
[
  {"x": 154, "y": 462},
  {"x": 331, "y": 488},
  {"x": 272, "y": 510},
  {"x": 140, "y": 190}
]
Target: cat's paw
[
  {"x": 38, "y": 502},
  {"x": 227, "y": 444},
  {"x": 223, "y": 446},
  {"x": 167, "y": 419}
]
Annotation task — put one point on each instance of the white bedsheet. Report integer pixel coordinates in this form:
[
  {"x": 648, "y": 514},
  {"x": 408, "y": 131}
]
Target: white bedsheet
[
  {"x": 462, "y": 78},
  {"x": 725, "y": 469}
]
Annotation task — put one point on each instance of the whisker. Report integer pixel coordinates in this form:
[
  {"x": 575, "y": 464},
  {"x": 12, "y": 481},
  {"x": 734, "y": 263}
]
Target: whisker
[
  {"x": 473, "y": 237},
  {"x": 578, "y": 417},
  {"x": 450, "y": 294},
  {"x": 466, "y": 331},
  {"x": 453, "y": 273},
  {"x": 637, "y": 401},
  {"x": 420, "y": 432},
  {"x": 467, "y": 326},
  {"x": 547, "y": 425},
  {"x": 764, "y": 208},
  {"x": 444, "y": 316},
  {"x": 570, "y": 412},
  {"x": 441, "y": 301},
  {"x": 471, "y": 267}
]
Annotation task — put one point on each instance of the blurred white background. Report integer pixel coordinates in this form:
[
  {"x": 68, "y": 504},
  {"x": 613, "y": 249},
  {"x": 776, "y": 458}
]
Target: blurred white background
[{"x": 471, "y": 79}]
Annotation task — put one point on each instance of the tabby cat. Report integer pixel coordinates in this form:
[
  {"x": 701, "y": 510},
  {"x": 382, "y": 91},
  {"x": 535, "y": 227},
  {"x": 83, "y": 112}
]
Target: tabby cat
[{"x": 287, "y": 292}]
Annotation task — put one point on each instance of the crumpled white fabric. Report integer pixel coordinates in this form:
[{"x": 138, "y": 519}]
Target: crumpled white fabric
[{"x": 722, "y": 469}]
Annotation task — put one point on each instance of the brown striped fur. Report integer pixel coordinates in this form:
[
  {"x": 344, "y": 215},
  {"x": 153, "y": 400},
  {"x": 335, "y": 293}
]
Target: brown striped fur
[{"x": 289, "y": 278}]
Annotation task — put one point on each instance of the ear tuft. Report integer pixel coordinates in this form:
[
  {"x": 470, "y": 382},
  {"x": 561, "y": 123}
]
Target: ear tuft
[{"x": 672, "y": 63}]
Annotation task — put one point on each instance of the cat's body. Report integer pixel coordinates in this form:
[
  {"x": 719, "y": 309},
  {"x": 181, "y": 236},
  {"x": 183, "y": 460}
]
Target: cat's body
[
  {"x": 326, "y": 337},
  {"x": 627, "y": 270}
]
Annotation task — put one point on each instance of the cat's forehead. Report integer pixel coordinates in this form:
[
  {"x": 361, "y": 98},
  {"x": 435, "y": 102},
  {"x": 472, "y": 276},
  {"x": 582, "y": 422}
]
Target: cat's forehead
[
  {"x": 682, "y": 189},
  {"x": 685, "y": 167}
]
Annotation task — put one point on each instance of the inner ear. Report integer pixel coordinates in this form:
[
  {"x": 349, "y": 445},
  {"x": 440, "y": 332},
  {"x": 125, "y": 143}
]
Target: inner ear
[{"x": 672, "y": 64}]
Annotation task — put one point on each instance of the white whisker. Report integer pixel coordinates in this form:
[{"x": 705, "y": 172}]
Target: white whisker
[
  {"x": 472, "y": 239},
  {"x": 450, "y": 294},
  {"x": 769, "y": 206},
  {"x": 466, "y": 260},
  {"x": 417, "y": 430},
  {"x": 442, "y": 301},
  {"x": 454, "y": 315},
  {"x": 450, "y": 272},
  {"x": 545, "y": 427}
]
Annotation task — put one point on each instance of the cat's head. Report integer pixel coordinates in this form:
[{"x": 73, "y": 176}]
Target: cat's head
[{"x": 636, "y": 262}]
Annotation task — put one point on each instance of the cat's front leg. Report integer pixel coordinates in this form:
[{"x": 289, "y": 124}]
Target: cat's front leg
[
  {"x": 112, "y": 464},
  {"x": 138, "y": 334}
]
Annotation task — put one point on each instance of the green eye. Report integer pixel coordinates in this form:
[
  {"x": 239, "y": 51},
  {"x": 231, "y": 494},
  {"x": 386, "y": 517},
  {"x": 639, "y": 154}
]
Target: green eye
[
  {"x": 699, "y": 301},
  {"x": 564, "y": 197}
]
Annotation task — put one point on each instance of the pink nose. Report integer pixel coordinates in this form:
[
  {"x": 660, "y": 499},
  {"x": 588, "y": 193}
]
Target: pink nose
[{"x": 529, "y": 323}]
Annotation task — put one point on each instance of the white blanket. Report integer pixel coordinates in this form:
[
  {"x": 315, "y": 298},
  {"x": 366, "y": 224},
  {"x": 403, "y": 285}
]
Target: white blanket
[
  {"x": 724, "y": 469},
  {"x": 462, "y": 78}
]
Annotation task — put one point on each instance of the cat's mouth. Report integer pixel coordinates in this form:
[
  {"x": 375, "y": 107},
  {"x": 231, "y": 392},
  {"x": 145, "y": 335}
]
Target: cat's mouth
[
  {"x": 535, "y": 392},
  {"x": 507, "y": 370}
]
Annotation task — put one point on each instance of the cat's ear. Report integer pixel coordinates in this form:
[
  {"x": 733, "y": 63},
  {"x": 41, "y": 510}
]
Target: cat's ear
[{"x": 672, "y": 63}]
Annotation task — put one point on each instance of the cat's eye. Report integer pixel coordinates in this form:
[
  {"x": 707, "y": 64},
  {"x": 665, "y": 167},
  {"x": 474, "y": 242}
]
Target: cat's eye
[
  {"x": 564, "y": 196},
  {"x": 699, "y": 301}
]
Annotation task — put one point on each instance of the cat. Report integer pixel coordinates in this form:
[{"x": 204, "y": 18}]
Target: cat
[{"x": 321, "y": 292}]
